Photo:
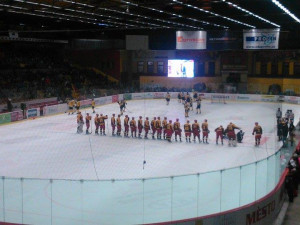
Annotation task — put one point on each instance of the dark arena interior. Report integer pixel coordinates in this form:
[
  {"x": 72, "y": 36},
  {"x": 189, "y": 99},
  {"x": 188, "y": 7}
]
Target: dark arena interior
[{"x": 181, "y": 112}]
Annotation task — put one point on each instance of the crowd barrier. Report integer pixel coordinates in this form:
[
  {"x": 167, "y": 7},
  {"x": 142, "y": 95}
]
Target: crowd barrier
[{"x": 251, "y": 194}]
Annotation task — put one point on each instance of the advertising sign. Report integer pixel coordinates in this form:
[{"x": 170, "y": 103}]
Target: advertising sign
[
  {"x": 191, "y": 40},
  {"x": 224, "y": 40},
  {"x": 261, "y": 39},
  {"x": 32, "y": 113},
  {"x": 5, "y": 118},
  {"x": 127, "y": 96},
  {"x": 16, "y": 116},
  {"x": 115, "y": 98}
]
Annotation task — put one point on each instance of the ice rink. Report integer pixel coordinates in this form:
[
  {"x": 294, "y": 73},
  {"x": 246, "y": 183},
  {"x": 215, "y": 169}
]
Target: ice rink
[{"x": 48, "y": 147}]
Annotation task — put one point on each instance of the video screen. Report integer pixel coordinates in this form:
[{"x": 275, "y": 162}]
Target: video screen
[{"x": 180, "y": 68}]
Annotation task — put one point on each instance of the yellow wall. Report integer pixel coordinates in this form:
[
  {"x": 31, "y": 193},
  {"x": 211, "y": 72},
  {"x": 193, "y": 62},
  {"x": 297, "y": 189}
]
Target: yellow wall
[{"x": 262, "y": 84}]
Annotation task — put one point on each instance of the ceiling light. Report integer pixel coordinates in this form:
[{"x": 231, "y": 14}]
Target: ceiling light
[
  {"x": 286, "y": 10},
  {"x": 250, "y": 13}
]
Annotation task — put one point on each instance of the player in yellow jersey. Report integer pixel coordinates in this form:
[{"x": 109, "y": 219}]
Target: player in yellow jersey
[
  {"x": 205, "y": 131},
  {"x": 113, "y": 124},
  {"x": 93, "y": 105},
  {"x": 177, "y": 129},
  {"x": 146, "y": 127},
  {"x": 133, "y": 127},
  {"x": 71, "y": 107},
  {"x": 119, "y": 126},
  {"x": 79, "y": 123},
  {"x": 96, "y": 121},
  {"x": 164, "y": 125},
  {"x": 102, "y": 119},
  {"x": 187, "y": 131},
  {"x": 169, "y": 131},
  {"x": 257, "y": 130},
  {"x": 88, "y": 119},
  {"x": 78, "y": 106},
  {"x": 140, "y": 126}
]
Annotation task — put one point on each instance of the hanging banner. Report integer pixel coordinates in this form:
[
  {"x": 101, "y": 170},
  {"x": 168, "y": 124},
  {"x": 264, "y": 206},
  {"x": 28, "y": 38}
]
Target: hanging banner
[
  {"x": 190, "y": 39},
  {"x": 224, "y": 40},
  {"x": 261, "y": 39}
]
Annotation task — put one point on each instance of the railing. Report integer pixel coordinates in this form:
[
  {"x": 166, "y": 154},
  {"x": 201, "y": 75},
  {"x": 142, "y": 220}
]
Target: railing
[{"x": 138, "y": 201}]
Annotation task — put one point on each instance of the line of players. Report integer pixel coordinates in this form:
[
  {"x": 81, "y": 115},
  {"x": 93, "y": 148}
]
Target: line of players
[{"x": 162, "y": 129}]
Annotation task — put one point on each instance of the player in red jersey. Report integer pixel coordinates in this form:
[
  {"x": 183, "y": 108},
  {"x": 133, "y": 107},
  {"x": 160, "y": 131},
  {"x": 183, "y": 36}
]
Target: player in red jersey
[
  {"x": 158, "y": 128},
  {"x": 164, "y": 125},
  {"x": 146, "y": 127},
  {"x": 126, "y": 126},
  {"x": 169, "y": 131},
  {"x": 153, "y": 127},
  {"x": 102, "y": 124},
  {"x": 140, "y": 126},
  {"x": 219, "y": 132},
  {"x": 119, "y": 125},
  {"x": 231, "y": 134},
  {"x": 96, "y": 121},
  {"x": 187, "y": 131},
  {"x": 177, "y": 129},
  {"x": 205, "y": 131},
  {"x": 257, "y": 130},
  {"x": 113, "y": 124},
  {"x": 133, "y": 127},
  {"x": 87, "y": 122},
  {"x": 196, "y": 130}
]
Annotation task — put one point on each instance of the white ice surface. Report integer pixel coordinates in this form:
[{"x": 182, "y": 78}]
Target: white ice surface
[{"x": 48, "y": 147}]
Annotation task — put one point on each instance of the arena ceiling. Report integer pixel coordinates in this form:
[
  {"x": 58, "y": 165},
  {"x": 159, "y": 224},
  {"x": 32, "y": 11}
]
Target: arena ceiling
[{"x": 149, "y": 14}]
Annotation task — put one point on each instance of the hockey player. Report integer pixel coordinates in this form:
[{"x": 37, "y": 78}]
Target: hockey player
[
  {"x": 133, "y": 127},
  {"x": 205, "y": 131},
  {"x": 196, "y": 130},
  {"x": 278, "y": 115},
  {"x": 140, "y": 126},
  {"x": 126, "y": 126},
  {"x": 168, "y": 98},
  {"x": 231, "y": 134},
  {"x": 158, "y": 128},
  {"x": 292, "y": 132},
  {"x": 187, "y": 131},
  {"x": 195, "y": 96},
  {"x": 186, "y": 109},
  {"x": 219, "y": 132},
  {"x": 93, "y": 105},
  {"x": 179, "y": 97},
  {"x": 177, "y": 129},
  {"x": 79, "y": 123},
  {"x": 147, "y": 127},
  {"x": 182, "y": 98},
  {"x": 122, "y": 105},
  {"x": 102, "y": 124},
  {"x": 164, "y": 125},
  {"x": 113, "y": 124},
  {"x": 169, "y": 131},
  {"x": 71, "y": 107},
  {"x": 257, "y": 130},
  {"x": 87, "y": 122},
  {"x": 153, "y": 127},
  {"x": 198, "y": 108},
  {"x": 97, "y": 124},
  {"x": 189, "y": 101},
  {"x": 77, "y": 106},
  {"x": 291, "y": 116},
  {"x": 119, "y": 125}
]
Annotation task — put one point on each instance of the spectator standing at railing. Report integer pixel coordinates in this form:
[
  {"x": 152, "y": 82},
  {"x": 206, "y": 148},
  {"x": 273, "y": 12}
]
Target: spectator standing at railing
[{"x": 9, "y": 105}]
